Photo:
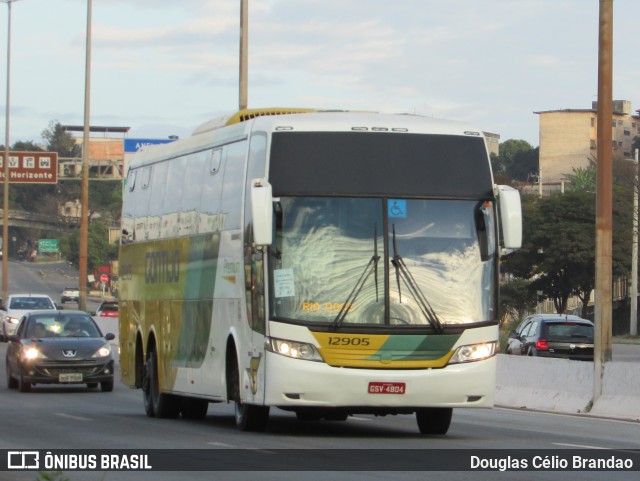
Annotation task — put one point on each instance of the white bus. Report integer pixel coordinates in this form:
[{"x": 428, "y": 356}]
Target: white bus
[{"x": 324, "y": 263}]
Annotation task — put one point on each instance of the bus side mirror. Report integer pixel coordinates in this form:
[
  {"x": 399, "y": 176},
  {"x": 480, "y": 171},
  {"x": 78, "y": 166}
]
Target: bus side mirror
[
  {"x": 262, "y": 211},
  {"x": 510, "y": 217}
]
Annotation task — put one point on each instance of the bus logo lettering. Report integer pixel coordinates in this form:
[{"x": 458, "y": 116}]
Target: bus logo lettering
[{"x": 162, "y": 267}]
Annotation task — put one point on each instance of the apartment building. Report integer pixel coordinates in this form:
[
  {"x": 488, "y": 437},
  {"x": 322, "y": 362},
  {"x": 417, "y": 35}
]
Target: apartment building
[{"x": 568, "y": 138}]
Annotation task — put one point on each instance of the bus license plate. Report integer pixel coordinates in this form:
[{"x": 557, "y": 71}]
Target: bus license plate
[
  {"x": 70, "y": 377},
  {"x": 387, "y": 387}
]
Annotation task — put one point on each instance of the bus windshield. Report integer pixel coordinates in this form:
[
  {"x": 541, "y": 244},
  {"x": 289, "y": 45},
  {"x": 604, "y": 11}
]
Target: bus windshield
[{"x": 387, "y": 262}]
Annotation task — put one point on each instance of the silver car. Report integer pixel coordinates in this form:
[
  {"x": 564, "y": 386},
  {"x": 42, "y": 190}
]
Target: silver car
[{"x": 17, "y": 306}]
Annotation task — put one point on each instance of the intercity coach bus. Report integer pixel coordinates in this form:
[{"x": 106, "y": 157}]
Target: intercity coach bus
[{"x": 324, "y": 263}]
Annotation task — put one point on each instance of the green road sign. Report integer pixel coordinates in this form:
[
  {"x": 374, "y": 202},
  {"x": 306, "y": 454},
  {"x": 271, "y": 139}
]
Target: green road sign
[{"x": 48, "y": 245}]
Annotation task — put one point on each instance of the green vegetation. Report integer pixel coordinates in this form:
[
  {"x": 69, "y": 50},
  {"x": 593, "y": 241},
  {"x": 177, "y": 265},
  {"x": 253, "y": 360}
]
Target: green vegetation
[{"x": 105, "y": 202}]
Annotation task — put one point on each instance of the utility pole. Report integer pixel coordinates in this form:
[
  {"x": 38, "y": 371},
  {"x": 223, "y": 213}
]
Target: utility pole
[
  {"x": 633, "y": 321},
  {"x": 244, "y": 63},
  {"x": 84, "y": 219},
  {"x": 5, "y": 224},
  {"x": 604, "y": 199}
]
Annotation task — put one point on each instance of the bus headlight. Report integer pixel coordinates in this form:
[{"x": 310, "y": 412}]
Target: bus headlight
[
  {"x": 294, "y": 349},
  {"x": 474, "y": 352}
]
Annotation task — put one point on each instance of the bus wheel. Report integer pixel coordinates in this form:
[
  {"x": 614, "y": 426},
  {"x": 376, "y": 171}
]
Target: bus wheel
[
  {"x": 164, "y": 405},
  {"x": 146, "y": 389},
  {"x": 434, "y": 420},
  {"x": 194, "y": 408},
  {"x": 250, "y": 417}
]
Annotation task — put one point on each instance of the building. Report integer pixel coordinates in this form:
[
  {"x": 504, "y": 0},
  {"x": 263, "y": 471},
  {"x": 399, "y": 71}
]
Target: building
[
  {"x": 568, "y": 138},
  {"x": 106, "y": 152}
]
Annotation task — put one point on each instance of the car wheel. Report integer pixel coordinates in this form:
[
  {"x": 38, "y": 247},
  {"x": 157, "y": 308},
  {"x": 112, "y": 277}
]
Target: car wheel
[
  {"x": 11, "y": 382},
  {"x": 23, "y": 386},
  {"x": 106, "y": 386},
  {"x": 434, "y": 420},
  {"x": 164, "y": 405}
]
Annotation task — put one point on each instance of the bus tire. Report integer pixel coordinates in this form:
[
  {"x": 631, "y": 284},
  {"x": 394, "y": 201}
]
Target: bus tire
[
  {"x": 146, "y": 389},
  {"x": 250, "y": 417},
  {"x": 434, "y": 420},
  {"x": 163, "y": 405},
  {"x": 194, "y": 408}
]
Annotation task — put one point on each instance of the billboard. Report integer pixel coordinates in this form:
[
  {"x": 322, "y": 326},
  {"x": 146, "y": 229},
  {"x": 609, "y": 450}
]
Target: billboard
[
  {"x": 134, "y": 145},
  {"x": 31, "y": 167}
]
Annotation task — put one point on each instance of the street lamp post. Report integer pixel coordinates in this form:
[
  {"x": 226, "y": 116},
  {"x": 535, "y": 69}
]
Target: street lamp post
[
  {"x": 244, "y": 64},
  {"x": 633, "y": 321},
  {"x": 5, "y": 223},
  {"x": 84, "y": 219}
]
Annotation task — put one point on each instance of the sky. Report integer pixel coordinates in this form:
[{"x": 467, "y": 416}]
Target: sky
[{"x": 163, "y": 67}]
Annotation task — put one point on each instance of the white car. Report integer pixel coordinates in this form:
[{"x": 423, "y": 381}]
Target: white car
[{"x": 17, "y": 306}]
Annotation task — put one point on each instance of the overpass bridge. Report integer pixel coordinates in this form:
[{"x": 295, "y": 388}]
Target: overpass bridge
[{"x": 33, "y": 220}]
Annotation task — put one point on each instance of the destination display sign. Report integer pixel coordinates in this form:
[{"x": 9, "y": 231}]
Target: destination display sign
[{"x": 31, "y": 167}]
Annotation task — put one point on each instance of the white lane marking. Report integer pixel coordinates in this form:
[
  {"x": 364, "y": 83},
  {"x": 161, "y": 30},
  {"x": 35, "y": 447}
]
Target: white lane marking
[
  {"x": 71, "y": 416},
  {"x": 618, "y": 450},
  {"x": 222, "y": 445},
  {"x": 582, "y": 446}
]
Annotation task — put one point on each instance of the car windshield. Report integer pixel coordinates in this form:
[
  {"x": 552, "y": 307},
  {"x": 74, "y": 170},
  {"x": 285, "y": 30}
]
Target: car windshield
[
  {"x": 568, "y": 332},
  {"x": 31, "y": 303},
  {"x": 62, "y": 325},
  {"x": 109, "y": 307}
]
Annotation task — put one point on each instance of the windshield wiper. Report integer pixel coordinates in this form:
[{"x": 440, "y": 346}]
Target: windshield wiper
[
  {"x": 372, "y": 265},
  {"x": 402, "y": 271}
]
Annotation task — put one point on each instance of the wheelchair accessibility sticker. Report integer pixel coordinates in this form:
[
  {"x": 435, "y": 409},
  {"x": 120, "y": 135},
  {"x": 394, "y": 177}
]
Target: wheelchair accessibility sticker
[{"x": 397, "y": 208}]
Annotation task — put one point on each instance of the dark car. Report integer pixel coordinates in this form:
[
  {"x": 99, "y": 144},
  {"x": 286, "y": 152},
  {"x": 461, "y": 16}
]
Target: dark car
[
  {"x": 59, "y": 347},
  {"x": 553, "y": 335}
]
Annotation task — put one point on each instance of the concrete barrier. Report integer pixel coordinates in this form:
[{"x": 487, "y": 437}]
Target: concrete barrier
[{"x": 561, "y": 385}]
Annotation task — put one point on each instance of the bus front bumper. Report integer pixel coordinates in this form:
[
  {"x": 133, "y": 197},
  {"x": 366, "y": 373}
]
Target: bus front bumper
[{"x": 294, "y": 382}]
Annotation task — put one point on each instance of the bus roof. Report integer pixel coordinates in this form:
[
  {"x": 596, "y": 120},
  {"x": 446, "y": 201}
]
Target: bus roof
[{"x": 237, "y": 126}]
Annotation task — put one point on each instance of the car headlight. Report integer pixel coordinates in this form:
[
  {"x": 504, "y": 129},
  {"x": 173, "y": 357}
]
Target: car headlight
[
  {"x": 294, "y": 349},
  {"x": 31, "y": 353},
  {"x": 104, "y": 351},
  {"x": 474, "y": 352}
]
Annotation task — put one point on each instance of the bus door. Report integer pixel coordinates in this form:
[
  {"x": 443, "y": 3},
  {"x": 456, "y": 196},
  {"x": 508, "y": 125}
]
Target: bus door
[{"x": 252, "y": 360}]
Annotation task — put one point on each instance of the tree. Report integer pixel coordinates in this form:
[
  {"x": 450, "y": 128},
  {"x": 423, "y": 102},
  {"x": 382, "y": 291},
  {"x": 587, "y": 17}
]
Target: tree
[
  {"x": 99, "y": 251},
  {"x": 60, "y": 141},
  {"x": 558, "y": 252},
  {"x": 582, "y": 179},
  {"x": 517, "y": 298},
  {"x": 518, "y": 160}
]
